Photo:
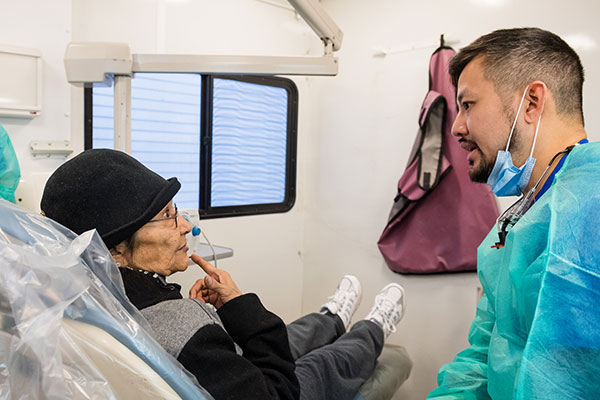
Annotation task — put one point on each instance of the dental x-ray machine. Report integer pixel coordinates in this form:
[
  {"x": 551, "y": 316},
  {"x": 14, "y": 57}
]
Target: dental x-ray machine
[{"x": 89, "y": 63}]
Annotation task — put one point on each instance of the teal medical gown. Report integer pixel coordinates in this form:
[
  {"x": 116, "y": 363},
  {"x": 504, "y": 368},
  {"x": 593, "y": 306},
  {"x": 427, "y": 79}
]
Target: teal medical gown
[
  {"x": 536, "y": 334},
  {"x": 10, "y": 173}
]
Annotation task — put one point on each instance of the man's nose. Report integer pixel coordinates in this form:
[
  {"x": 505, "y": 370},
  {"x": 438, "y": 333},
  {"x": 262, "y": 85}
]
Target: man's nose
[{"x": 459, "y": 127}]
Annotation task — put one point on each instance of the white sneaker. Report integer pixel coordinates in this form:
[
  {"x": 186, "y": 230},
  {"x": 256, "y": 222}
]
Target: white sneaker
[
  {"x": 345, "y": 300},
  {"x": 388, "y": 309}
]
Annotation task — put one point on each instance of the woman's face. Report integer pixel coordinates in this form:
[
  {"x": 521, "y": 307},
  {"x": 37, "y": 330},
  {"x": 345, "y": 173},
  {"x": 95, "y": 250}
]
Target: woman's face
[{"x": 160, "y": 245}]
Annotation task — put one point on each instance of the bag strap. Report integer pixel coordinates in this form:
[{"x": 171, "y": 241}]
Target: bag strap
[{"x": 429, "y": 143}]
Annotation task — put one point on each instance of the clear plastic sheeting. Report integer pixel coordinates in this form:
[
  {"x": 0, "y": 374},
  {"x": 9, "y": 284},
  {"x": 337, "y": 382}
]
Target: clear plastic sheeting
[{"x": 67, "y": 329}]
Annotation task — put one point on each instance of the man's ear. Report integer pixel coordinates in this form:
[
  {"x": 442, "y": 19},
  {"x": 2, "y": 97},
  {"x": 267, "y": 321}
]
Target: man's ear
[
  {"x": 535, "y": 99},
  {"x": 121, "y": 253}
]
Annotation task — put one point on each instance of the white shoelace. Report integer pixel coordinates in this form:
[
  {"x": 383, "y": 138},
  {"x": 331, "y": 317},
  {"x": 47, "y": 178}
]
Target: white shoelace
[
  {"x": 388, "y": 310},
  {"x": 338, "y": 299}
]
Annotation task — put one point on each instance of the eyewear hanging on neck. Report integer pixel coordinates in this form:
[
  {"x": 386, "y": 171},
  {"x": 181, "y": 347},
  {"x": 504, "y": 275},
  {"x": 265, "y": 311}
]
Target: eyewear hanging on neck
[{"x": 515, "y": 212}]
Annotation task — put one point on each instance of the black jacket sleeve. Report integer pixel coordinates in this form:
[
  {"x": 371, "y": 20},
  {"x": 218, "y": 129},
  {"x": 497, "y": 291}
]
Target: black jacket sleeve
[{"x": 266, "y": 369}]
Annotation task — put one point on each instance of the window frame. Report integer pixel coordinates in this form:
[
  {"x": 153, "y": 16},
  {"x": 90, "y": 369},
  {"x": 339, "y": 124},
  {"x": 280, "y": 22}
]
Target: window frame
[{"x": 206, "y": 119}]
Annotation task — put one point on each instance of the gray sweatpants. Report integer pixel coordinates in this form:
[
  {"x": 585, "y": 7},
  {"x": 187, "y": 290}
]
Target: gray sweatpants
[{"x": 332, "y": 364}]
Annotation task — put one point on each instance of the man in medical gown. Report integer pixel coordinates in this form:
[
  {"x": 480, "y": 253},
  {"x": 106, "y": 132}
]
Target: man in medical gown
[{"x": 536, "y": 334}]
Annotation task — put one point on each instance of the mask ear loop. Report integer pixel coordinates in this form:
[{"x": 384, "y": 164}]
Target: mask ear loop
[
  {"x": 512, "y": 130},
  {"x": 537, "y": 128}
]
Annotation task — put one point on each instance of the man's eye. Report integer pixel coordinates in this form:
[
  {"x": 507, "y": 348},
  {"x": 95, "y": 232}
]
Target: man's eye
[{"x": 466, "y": 105}]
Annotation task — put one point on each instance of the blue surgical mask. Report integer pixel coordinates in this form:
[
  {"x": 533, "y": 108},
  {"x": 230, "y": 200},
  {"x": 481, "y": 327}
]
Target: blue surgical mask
[{"x": 506, "y": 179}]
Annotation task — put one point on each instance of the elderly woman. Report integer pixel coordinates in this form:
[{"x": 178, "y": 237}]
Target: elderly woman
[{"x": 241, "y": 350}]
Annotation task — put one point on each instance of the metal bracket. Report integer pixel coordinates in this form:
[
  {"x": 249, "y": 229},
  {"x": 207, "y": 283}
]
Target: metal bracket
[
  {"x": 328, "y": 47},
  {"x": 47, "y": 148}
]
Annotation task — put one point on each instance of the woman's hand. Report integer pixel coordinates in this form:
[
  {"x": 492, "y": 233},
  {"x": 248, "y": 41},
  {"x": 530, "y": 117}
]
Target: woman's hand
[{"x": 217, "y": 287}]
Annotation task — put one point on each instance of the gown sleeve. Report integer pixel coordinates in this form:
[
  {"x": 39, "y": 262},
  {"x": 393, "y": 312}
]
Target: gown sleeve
[{"x": 466, "y": 376}]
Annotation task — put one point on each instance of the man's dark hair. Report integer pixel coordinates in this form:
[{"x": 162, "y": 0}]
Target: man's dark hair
[{"x": 513, "y": 58}]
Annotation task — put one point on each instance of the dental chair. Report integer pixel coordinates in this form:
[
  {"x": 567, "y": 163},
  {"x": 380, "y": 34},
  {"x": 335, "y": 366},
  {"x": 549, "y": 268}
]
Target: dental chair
[
  {"x": 127, "y": 375},
  {"x": 67, "y": 329}
]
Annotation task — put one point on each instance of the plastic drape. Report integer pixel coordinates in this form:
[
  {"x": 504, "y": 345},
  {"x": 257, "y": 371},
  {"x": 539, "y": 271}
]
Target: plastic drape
[
  {"x": 47, "y": 275},
  {"x": 536, "y": 334},
  {"x": 9, "y": 168}
]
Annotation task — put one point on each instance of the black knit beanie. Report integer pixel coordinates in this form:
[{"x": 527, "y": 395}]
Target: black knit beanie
[{"x": 107, "y": 190}]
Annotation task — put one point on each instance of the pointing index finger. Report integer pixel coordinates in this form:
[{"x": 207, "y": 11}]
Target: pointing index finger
[{"x": 205, "y": 265}]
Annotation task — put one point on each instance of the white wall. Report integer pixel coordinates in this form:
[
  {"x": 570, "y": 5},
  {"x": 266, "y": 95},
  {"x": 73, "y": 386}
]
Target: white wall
[
  {"x": 45, "y": 26},
  {"x": 365, "y": 128}
]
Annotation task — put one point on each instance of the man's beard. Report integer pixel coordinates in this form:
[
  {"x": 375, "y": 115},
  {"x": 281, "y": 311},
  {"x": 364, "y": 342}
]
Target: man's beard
[{"x": 482, "y": 173}]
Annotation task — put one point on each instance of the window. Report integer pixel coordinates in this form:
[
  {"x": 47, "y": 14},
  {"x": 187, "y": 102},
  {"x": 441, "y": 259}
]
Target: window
[
  {"x": 231, "y": 141},
  {"x": 165, "y": 123}
]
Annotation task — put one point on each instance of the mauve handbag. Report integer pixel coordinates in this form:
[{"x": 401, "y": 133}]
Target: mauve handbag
[{"x": 439, "y": 216}]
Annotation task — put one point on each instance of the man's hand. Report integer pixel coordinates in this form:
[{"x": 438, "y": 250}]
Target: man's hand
[{"x": 217, "y": 287}]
